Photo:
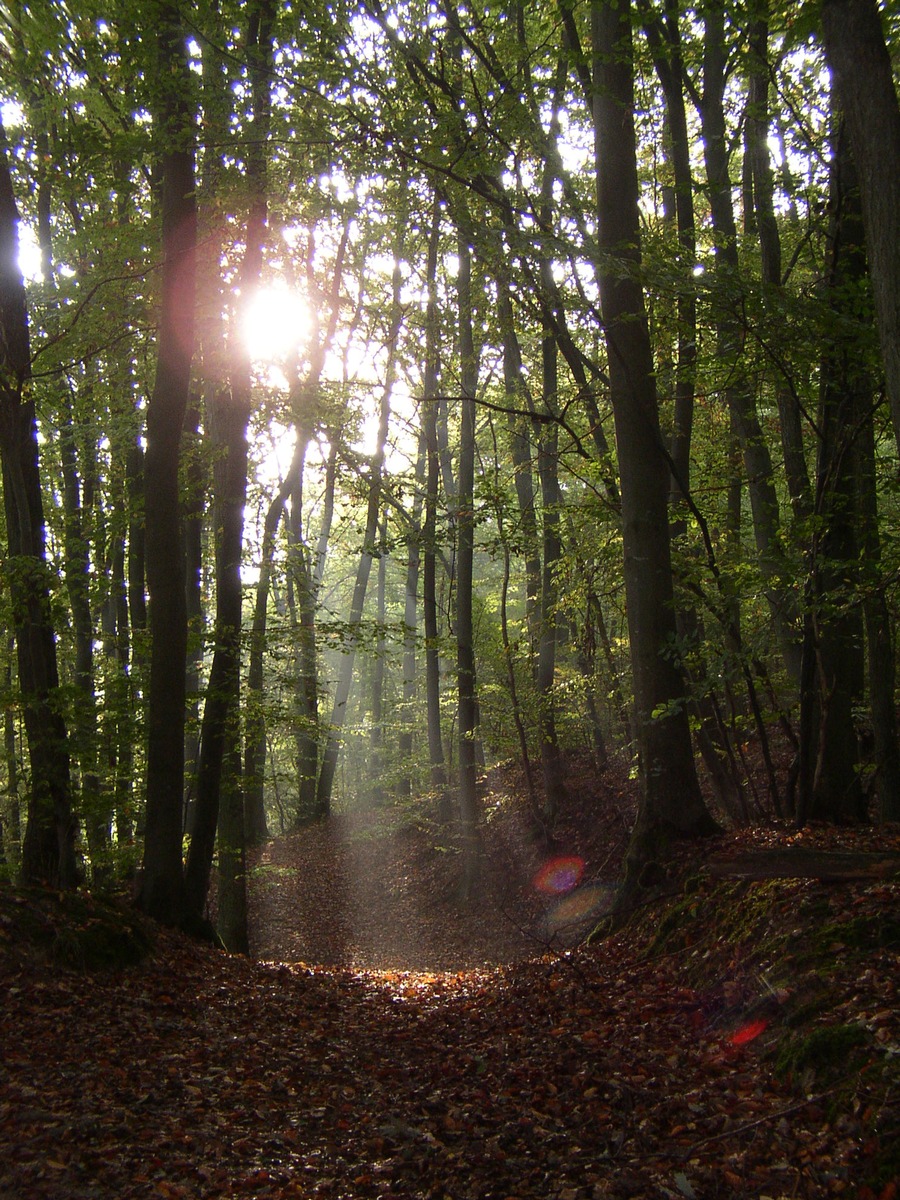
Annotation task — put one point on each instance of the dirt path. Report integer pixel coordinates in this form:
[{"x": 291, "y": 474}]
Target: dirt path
[{"x": 359, "y": 892}]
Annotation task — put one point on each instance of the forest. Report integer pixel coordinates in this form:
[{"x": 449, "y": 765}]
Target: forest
[{"x": 410, "y": 410}]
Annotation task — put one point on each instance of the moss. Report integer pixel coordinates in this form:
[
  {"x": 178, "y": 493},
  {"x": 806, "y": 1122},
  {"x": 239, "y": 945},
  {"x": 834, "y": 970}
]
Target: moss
[
  {"x": 74, "y": 929},
  {"x": 868, "y": 932},
  {"x": 805, "y": 1010},
  {"x": 672, "y": 931},
  {"x": 830, "y": 1052}
]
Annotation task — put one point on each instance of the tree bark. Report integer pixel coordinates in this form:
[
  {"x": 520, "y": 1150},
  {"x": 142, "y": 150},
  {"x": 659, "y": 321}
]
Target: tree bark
[
  {"x": 777, "y": 573},
  {"x": 162, "y": 885},
  {"x": 429, "y": 524},
  {"x": 830, "y": 787},
  {"x": 370, "y": 538},
  {"x": 48, "y": 849},
  {"x": 670, "y": 801},
  {"x": 229, "y": 417},
  {"x": 864, "y": 82},
  {"x": 467, "y": 708}
]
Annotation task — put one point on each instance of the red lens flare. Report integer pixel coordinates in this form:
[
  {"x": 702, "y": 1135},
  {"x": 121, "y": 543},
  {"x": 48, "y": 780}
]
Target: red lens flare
[
  {"x": 748, "y": 1032},
  {"x": 559, "y": 875}
]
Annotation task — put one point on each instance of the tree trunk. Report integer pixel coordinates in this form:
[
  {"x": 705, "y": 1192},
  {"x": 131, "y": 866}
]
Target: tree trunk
[
  {"x": 864, "y": 83},
  {"x": 376, "y": 708},
  {"x": 833, "y": 646},
  {"x": 229, "y": 417},
  {"x": 670, "y": 802},
  {"x": 193, "y": 566},
  {"x": 879, "y": 634},
  {"x": 410, "y": 631},
  {"x": 429, "y": 525},
  {"x": 370, "y": 538},
  {"x": 552, "y": 768},
  {"x": 48, "y": 850},
  {"x": 758, "y": 156},
  {"x": 465, "y": 555},
  {"x": 778, "y": 574},
  {"x": 95, "y": 808},
  {"x": 162, "y": 885}
]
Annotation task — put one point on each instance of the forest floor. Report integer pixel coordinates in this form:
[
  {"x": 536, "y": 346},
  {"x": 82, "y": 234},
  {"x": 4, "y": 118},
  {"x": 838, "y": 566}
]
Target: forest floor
[{"x": 739, "y": 1038}]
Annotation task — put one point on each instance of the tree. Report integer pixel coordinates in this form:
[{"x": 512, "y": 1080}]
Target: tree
[
  {"x": 48, "y": 853},
  {"x": 162, "y": 884},
  {"x": 670, "y": 803},
  {"x": 229, "y": 416},
  {"x": 863, "y": 79}
]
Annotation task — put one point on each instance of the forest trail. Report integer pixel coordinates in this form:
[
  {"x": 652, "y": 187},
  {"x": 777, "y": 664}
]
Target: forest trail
[
  {"x": 642, "y": 1066},
  {"x": 377, "y": 889}
]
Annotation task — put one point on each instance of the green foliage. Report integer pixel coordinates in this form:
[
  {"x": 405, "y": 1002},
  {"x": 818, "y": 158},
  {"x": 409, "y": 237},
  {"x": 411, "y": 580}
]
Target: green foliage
[{"x": 826, "y": 1054}]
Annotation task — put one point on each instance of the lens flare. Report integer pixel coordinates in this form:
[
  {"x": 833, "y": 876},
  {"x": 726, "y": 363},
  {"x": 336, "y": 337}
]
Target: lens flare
[
  {"x": 747, "y": 1033},
  {"x": 559, "y": 875},
  {"x": 572, "y": 912}
]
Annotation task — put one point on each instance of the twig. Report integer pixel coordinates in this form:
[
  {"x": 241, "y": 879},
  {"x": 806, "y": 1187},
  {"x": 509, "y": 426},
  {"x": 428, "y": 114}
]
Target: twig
[{"x": 782, "y": 1112}]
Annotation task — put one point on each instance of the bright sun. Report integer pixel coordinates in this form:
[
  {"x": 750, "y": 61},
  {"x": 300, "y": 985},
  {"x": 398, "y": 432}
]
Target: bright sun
[{"x": 275, "y": 323}]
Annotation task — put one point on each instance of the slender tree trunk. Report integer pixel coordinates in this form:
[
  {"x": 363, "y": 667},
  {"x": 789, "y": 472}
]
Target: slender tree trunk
[
  {"x": 830, "y": 786},
  {"x": 48, "y": 852},
  {"x": 429, "y": 418},
  {"x": 94, "y": 806},
  {"x": 410, "y": 627},
  {"x": 552, "y": 767},
  {"x": 758, "y": 159},
  {"x": 370, "y": 537},
  {"x": 376, "y": 708},
  {"x": 879, "y": 635},
  {"x": 193, "y": 558},
  {"x": 465, "y": 526},
  {"x": 523, "y": 477},
  {"x": 162, "y": 884},
  {"x": 779, "y": 575},
  {"x": 229, "y": 417},
  {"x": 670, "y": 803}
]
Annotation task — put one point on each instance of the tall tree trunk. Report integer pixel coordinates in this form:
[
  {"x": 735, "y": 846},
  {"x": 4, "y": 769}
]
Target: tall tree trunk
[
  {"x": 162, "y": 884},
  {"x": 465, "y": 533},
  {"x": 429, "y": 524},
  {"x": 551, "y": 503},
  {"x": 830, "y": 786},
  {"x": 376, "y": 706},
  {"x": 523, "y": 477},
  {"x": 48, "y": 850},
  {"x": 778, "y": 574},
  {"x": 410, "y": 630},
  {"x": 302, "y": 597},
  {"x": 193, "y": 566},
  {"x": 664, "y": 37},
  {"x": 370, "y": 538},
  {"x": 670, "y": 802},
  {"x": 758, "y": 159},
  {"x": 864, "y": 83},
  {"x": 94, "y": 806},
  {"x": 879, "y": 635},
  {"x": 229, "y": 418}
]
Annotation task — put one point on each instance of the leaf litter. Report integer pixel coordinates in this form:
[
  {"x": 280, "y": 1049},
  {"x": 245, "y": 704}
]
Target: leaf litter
[{"x": 637, "y": 1066}]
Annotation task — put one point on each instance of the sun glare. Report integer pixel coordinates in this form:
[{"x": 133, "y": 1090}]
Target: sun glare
[{"x": 276, "y": 323}]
